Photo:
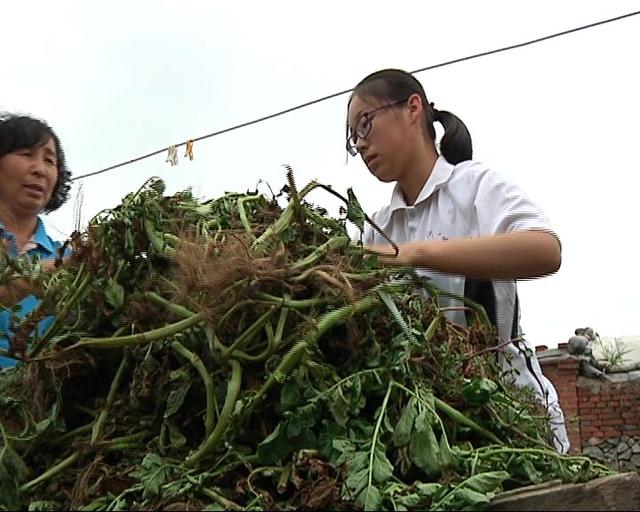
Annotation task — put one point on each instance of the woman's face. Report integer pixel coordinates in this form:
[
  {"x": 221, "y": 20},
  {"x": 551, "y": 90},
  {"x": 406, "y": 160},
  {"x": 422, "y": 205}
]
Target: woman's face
[
  {"x": 384, "y": 147},
  {"x": 28, "y": 177}
]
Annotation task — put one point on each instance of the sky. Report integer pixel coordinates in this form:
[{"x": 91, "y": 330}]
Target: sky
[{"x": 117, "y": 80}]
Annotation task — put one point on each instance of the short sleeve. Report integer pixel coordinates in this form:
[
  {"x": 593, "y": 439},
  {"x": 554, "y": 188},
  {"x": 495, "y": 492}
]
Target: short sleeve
[{"x": 502, "y": 207}]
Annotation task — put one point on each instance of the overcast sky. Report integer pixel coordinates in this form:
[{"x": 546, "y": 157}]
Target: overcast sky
[{"x": 117, "y": 80}]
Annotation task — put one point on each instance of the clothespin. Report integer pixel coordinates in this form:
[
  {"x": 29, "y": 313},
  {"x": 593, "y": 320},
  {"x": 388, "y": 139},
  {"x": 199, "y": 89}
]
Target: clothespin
[
  {"x": 172, "y": 156},
  {"x": 189, "y": 150}
]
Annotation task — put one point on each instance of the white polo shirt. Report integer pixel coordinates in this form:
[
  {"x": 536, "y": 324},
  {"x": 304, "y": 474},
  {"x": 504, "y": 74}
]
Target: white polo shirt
[{"x": 465, "y": 201}]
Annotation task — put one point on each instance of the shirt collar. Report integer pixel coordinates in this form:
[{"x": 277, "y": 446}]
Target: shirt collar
[
  {"x": 39, "y": 237},
  {"x": 440, "y": 174}
]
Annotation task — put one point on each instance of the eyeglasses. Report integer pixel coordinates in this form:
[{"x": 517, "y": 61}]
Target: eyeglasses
[{"x": 364, "y": 125}]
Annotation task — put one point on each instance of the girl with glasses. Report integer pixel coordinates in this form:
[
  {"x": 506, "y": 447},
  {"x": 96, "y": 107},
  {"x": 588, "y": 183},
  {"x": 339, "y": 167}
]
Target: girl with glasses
[{"x": 468, "y": 228}]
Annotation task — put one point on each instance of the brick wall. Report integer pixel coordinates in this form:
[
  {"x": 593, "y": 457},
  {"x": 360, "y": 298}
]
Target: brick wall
[
  {"x": 594, "y": 409},
  {"x": 609, "y": 409}
]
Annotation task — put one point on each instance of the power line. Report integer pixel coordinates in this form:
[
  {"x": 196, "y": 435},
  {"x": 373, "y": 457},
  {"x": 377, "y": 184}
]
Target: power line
[{"x": 334, "y": 95}]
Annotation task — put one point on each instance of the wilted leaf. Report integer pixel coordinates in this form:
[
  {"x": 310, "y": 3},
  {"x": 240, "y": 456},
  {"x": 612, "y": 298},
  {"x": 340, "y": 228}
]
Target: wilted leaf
[
  {"x": 404, "y": 427},
  {"x": 423, "y": 451}
]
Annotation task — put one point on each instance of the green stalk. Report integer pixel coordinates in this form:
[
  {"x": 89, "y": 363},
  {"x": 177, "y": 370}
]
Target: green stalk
[
  {"x": 325, "y": 392},
  {"x": 290, "y": 303},
  {"x": 477, "y": 308},
  {"x": 141, "y": 338},
  {"x": 138, "y": 436},
  {"x": 72, "y": 433},
  {"x": 174, "y": 308},
  {"x": 59, "y": 318},
  {"x": 248, "y": 334},
  {"x": 321, "y": 252},
  {"x": 294, "y": 357},
  {"x": 229, "y": 313},
  {"x": 102, "y": 417},
  {"x": 243, "y": 214},
  {"x": 493, "y": 450},
  {"x": 156, "y": 239},
  {"x": 206, "y": 379},
  {"x": 376, "y": 432},
  {"x": 240, "y": 355},
  {"x": 282, "y": 321},
  {"x": 275, "y": 229},
  {"x": 51, "y": 472},
  {"x": 227, "y": 504},
  {"x": 528, "y": 438},
  {"x": 454, "y": 414},
  {"x": 273, "y": 341},
  {"x": 233, "y": 390}
]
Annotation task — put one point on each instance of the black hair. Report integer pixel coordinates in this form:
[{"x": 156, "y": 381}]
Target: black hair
[
  {"x": 396, "y": 85},
  {"x": 22, "y": 132}
]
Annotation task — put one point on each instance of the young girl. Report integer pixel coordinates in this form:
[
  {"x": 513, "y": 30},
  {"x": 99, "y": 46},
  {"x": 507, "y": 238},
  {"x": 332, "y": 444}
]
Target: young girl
[
  {"x": 34, "y": 179},
  {"x": 469, "y": 229}
]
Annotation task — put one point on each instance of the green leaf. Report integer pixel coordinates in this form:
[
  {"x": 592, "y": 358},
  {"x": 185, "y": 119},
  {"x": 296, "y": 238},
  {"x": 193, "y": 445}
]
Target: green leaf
[
  {"x": 523, "y": 467},
  {"x": 274, "y": 446},
  {"x": 44, "y": 505},
  {"x": 373, "y": 354},
  {"x": 428, "y": 490},
  {"x": 410, "y": 501},
  {"x": 357, "y": 461},
  {"x": 479, "y": 391},
  {"x": 339, "y": 407},
  {"x": 153, "y": 473},
  {"x": 114, "y": 294},
  {"x": 277, "y": 446},
  {"x": 468, "y": 499},
  {"x": 357, "y": 480},
  {"x": 176, "y": 437},
  {"x": 490, "y": 481},
  {"x": 176, "y": 398},
  {"x": 296, "y": 424},
  {"x": 448, "y": 459},
  {"x": 370, "y": 498},
  {"x": 213, "y": 507},
  {"x": 381, "y": 469},
  {"x": 12, "y": 472},
  {"x": 404, "y": 427},
  {"x": 290, "y": 395}
]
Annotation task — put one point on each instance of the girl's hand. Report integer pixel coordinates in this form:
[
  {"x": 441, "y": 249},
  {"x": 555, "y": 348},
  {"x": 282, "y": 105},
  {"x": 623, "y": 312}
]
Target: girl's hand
[{"x": 386, "y": 254}]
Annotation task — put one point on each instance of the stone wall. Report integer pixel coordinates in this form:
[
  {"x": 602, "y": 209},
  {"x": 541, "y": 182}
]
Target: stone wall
[{"x": 621, "y": 453}]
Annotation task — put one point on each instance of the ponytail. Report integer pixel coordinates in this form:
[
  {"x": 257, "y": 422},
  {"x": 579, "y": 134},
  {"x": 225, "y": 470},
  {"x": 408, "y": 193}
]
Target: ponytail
[{"x": 455, "y": 145}]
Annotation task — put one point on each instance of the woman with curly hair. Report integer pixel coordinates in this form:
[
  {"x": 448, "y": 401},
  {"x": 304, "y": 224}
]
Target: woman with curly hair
[{"x": 34, "y": 179}]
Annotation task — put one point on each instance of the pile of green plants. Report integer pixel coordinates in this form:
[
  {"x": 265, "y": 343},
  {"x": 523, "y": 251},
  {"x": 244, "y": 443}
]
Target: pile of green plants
[{"x": 239, "y": 354}]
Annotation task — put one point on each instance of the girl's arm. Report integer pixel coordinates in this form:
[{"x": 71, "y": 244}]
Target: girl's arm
[{"x": 516, "y": 255}]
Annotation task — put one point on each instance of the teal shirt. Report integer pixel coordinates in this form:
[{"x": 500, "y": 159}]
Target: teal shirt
[{"x": 46, "y": 249}]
